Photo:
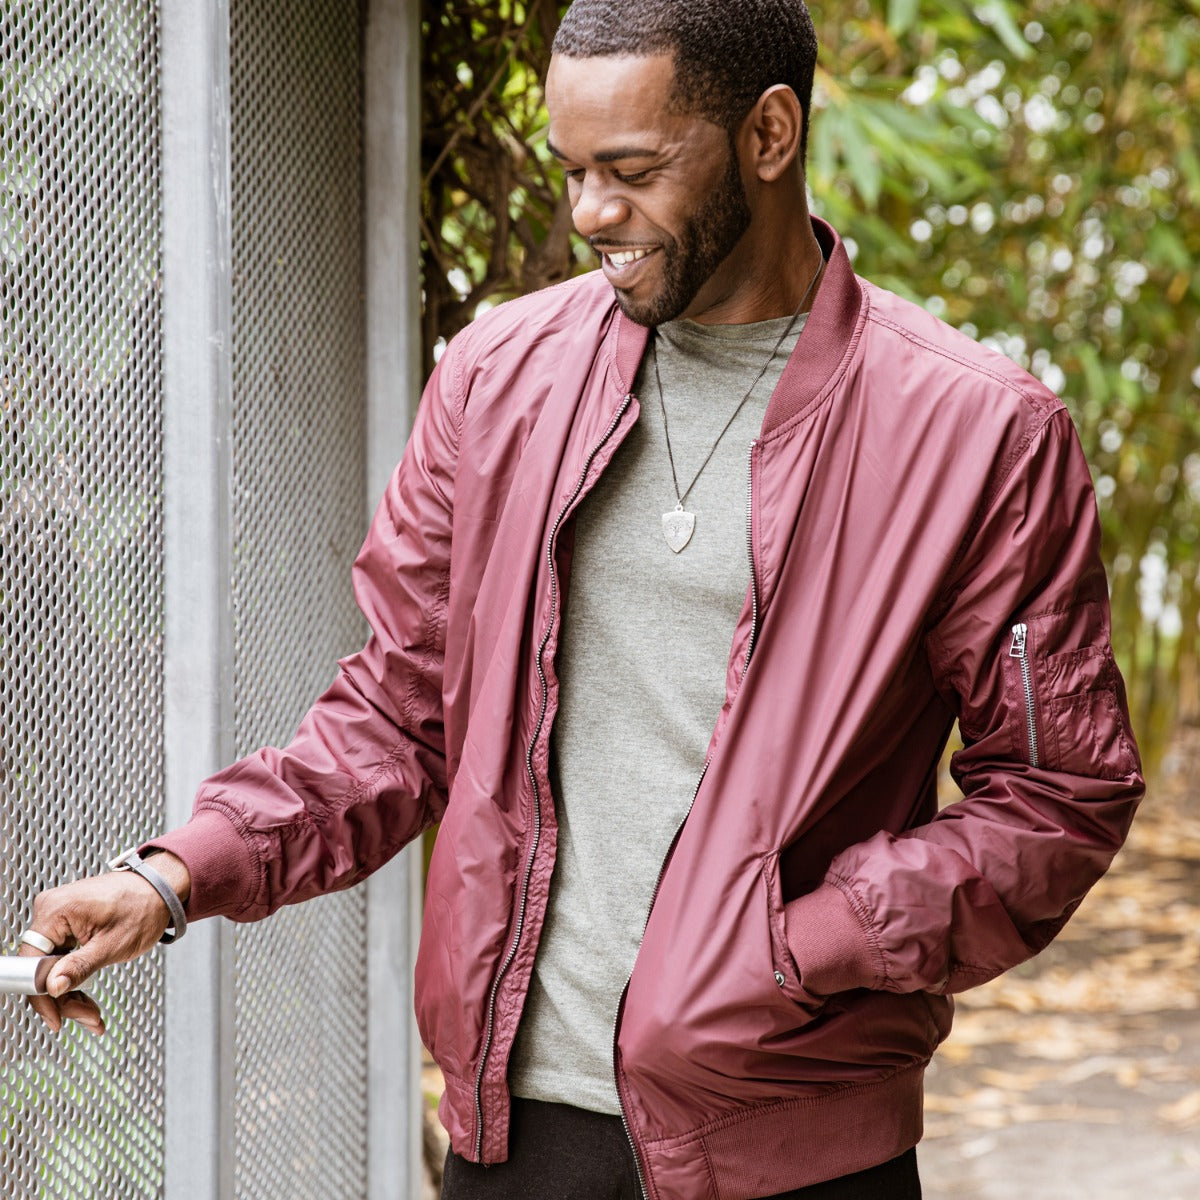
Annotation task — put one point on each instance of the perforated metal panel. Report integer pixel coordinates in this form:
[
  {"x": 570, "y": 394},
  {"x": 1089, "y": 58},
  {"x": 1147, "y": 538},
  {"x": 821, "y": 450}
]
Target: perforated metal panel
[
  {"x": 81, "y": 562},
  {"x": 298, "y": 463}
]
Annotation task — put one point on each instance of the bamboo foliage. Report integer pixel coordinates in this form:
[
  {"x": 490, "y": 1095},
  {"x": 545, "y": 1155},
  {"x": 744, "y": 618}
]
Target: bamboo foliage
[
  {"x": 495, "y": 222},
  {"x": 1027, "y": 172}
]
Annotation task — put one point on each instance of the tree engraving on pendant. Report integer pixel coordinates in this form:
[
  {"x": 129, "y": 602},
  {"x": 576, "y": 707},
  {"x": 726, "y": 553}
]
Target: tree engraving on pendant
[{"x": 678, "y": 527}]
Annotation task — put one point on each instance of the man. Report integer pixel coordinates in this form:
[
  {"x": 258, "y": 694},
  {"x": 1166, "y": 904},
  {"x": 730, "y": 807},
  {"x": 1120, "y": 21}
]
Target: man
[{"x": 688, "y": 570}]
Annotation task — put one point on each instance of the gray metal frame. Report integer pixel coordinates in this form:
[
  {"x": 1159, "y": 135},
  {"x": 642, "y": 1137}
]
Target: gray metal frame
[
  {"x": 394, "y": 900},
  {"x": 199, "y": 624}
]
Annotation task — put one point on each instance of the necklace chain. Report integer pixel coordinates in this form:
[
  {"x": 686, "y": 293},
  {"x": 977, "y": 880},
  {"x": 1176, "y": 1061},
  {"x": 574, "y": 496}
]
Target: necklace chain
[{"x": 662, "y": 404}]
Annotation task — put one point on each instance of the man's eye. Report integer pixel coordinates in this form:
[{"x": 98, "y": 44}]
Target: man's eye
[
  {"x": 574, "y": 174},
  {"x": 631, "y": 177}
]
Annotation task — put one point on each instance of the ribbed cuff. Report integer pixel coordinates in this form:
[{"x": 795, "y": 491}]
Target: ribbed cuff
[
  {"x": 829, "y": 945},
  {"x": 224, "y": 874}
]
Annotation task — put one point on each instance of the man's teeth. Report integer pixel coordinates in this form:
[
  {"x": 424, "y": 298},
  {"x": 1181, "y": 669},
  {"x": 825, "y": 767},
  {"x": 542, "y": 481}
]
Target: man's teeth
[{"x": 625, "y": 257}]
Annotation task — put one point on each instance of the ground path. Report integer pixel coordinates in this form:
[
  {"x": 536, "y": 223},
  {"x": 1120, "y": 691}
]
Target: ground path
[{"x": 1078, "y": 1074}]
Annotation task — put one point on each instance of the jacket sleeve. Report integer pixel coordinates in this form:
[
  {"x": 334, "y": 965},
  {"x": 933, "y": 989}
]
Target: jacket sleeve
[
  {"x": 366, "y": 771},
  {"x": 1049, "y": 773}
]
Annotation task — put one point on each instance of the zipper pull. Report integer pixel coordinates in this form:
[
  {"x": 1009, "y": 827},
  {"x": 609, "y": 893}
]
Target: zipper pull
[{"x": 1020, "y": 633}]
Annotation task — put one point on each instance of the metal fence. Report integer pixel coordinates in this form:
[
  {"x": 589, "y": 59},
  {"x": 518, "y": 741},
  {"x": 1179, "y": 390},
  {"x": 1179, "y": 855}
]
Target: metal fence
[
  {"x": 298, "y": 449},
  {"x": 82, "y": 561},
  {"x": 192, "y": 258}
]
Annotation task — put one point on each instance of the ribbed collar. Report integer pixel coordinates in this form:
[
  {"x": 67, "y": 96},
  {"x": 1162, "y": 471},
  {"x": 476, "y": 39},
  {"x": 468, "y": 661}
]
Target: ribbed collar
[{"x": 829, "y": 335}]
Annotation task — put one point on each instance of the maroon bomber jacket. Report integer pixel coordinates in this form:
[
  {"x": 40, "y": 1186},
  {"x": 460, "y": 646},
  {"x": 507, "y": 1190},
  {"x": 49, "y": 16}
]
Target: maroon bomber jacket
[{"x": 923, "y": 546}]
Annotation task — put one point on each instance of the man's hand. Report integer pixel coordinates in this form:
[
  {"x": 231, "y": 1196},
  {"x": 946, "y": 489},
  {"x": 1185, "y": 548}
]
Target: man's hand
[{"x": 93, "y": 923}]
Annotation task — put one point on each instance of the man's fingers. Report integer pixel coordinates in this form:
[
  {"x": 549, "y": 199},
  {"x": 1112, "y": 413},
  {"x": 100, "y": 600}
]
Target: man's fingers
[
  {"x": 73, "y": 969},
  {"x": 106, "y": 919},
  {"x": 56, "y": 918},
  {"x": 75, "y": 1006},
  {"x": 47, "y": 1009},
  {"x": 95, "y": 922}
]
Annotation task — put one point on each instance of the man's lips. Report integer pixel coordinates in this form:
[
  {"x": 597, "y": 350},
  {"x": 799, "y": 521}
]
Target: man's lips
[{"x": 622, "y": 262}]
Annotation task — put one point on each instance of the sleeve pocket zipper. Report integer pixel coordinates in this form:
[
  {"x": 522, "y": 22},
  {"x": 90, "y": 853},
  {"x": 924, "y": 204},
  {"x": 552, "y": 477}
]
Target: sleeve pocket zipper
[{"x": 1019, "y": 651}]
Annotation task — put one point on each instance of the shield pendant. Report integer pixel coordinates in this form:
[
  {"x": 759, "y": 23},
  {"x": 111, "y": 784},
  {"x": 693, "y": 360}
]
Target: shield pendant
[{"x": 678, "y": 527}]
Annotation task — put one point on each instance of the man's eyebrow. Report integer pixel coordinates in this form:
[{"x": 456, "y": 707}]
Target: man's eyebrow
[{"x": 607, "y": 156}]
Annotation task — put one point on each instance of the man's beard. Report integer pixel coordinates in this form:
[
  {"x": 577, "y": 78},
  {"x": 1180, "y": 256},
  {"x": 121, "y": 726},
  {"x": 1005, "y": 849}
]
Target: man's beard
[{"x": 690, "y": 260}]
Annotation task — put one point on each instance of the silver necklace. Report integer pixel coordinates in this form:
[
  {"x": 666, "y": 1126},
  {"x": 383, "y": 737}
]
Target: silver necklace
[{"x": 679, "y": 524}]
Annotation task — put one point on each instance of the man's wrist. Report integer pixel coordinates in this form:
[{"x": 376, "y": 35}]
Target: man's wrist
[
  {"x": 132, "y": 860},
  {"x": 173, "y": 869}
]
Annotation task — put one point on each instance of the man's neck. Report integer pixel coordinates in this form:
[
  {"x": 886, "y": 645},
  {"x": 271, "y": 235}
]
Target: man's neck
[{"x": 781, "y": 281}]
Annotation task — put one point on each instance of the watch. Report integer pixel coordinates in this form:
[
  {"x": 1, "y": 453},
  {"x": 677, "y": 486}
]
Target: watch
[{"x": 131, "y": 860}]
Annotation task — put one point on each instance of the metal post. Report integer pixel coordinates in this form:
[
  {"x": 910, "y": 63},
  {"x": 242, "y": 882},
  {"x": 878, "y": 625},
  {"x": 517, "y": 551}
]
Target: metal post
[
  {"x": 392, "y": 165},
  {"x": 198, "y": 637},
  {"x": 393, "y": 197}
]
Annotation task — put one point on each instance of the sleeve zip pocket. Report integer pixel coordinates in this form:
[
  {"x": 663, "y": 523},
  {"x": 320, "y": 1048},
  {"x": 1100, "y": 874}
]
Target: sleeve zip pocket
[{"x": 1020, "y": 651}]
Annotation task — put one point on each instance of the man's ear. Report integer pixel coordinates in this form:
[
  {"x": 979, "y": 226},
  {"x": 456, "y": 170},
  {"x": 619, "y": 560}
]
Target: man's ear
[{"x": 772, "y": 132}]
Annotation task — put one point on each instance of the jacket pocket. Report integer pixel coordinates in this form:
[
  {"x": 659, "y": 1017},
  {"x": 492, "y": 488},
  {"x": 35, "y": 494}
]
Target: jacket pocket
[
  {"x": 1078, "y": 725},
  {"x": 1065, "y": 691},
  {"x": 783, "y": 966}
]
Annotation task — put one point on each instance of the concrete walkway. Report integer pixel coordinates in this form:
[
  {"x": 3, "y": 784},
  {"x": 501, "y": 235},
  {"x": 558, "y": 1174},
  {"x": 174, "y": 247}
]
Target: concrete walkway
[{"x": 1078, "y": 1074}]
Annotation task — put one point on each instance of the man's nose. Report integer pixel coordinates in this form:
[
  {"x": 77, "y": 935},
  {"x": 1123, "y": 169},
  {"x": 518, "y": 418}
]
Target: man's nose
[{"x": 597, "y": 208}]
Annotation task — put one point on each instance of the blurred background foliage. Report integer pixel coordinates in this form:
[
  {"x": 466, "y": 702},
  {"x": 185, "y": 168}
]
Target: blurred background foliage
[{"x": 1029, "y": 173}]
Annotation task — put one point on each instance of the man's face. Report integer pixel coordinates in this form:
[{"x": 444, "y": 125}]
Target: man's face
[{"x": 657, "y": 193}]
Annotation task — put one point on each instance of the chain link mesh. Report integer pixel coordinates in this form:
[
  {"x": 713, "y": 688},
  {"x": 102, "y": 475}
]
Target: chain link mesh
[
  {"x": 81, "y": 563},
  {"x": 298, "y": 444},
  {"x": 81, "y": 560}
]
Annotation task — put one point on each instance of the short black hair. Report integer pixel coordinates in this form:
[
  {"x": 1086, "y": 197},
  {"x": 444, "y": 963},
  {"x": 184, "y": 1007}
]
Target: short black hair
[{"x": 727, "y": 52}]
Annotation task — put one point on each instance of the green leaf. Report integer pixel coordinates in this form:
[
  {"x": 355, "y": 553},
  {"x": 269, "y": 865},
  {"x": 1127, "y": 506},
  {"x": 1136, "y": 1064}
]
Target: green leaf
[
  {"x": 998, "y": 14},
  {"x": 862, "y": 161},
  {"x": 1166, "y": 248},
  {"x": 1095, "y": 377},
  {"x": 822, "y": 156},
  {"x": 901, "y": 14},
  {"x": 1189, "y": 167},
  {"x": 1177, "y": 56}
]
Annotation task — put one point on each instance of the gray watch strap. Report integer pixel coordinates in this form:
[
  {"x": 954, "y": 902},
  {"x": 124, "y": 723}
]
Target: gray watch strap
[{"x": 131, "y": 860}]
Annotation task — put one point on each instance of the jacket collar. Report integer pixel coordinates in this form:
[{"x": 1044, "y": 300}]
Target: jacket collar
[{"x": 829, "y": 335}]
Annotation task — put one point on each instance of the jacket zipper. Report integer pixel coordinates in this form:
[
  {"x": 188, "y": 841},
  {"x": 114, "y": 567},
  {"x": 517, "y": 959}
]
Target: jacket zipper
[
  {"x": 523, "y": 902},
  {"x": 637, "y": 1162},
  {"x": 662, "y": 870},
  {"x": 1019, "y": 651},
  {"x": 750, "y": 555}
]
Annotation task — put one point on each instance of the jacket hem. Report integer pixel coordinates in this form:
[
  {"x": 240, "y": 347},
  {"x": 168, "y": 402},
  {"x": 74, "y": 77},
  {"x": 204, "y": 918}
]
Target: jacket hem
[
  {"x": 457, "y": 1112},
  {"x": 792, "y": 1144}
]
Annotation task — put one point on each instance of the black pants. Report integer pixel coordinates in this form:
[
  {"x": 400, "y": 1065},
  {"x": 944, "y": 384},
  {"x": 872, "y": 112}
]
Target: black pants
[{"x": 561, "y": 1153}]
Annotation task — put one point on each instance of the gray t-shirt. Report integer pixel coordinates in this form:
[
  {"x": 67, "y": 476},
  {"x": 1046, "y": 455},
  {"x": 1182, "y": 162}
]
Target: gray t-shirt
[{"x": 645, "y": 643}]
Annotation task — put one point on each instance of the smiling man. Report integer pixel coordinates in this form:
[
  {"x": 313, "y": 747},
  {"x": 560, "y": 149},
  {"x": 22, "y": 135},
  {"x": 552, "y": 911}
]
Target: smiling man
[
  {"x": 658, "y": 161},
  {"x": 687, "y": 573},
  {"x": 664, "y": 204}
]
